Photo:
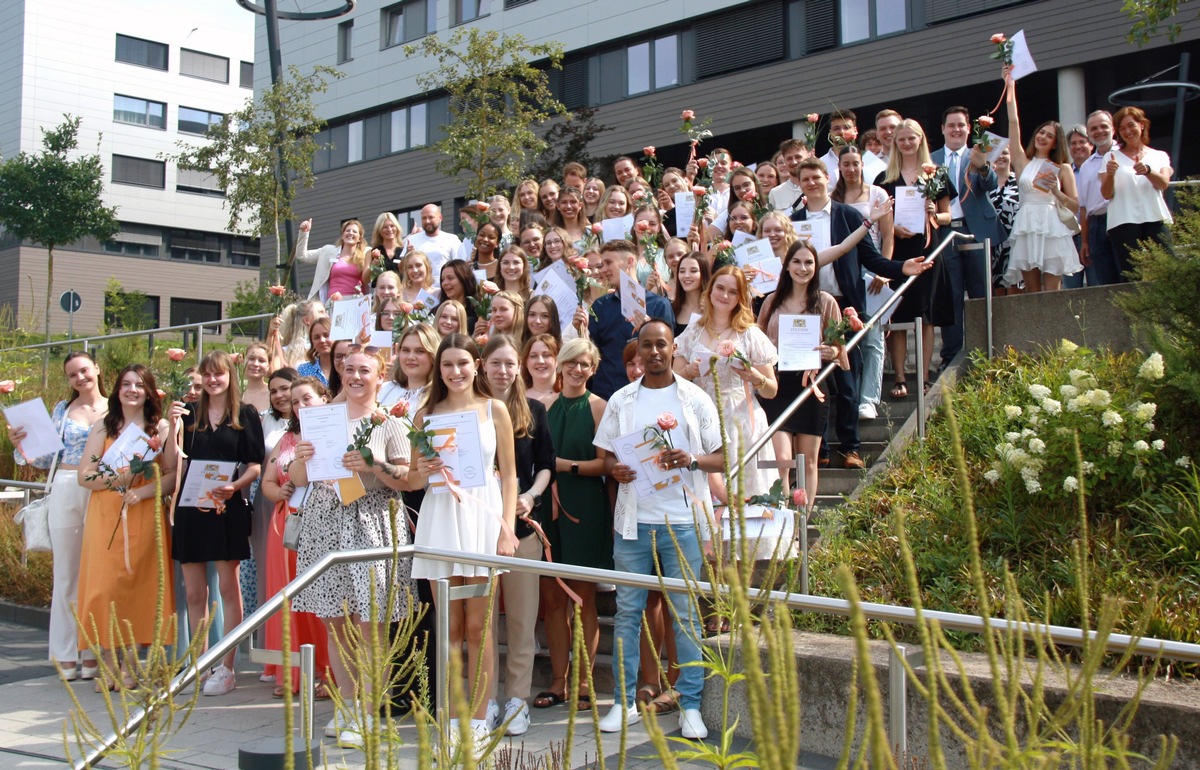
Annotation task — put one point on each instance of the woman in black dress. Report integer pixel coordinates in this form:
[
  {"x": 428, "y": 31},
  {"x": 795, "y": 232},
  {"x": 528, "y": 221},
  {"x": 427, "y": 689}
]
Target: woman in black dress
[
  {"x": 217, "y": 428},
  {"x": 929, "y": 297}
]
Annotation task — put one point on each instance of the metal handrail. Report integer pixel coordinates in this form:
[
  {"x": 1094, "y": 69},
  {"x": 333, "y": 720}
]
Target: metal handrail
[
  {"x": 142, "y": 333},
  {"x": 1065, "y": 635},
  {"x": 774, "y": 427}
]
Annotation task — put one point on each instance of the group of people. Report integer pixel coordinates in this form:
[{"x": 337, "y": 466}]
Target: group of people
[{"x": 553, "y": 390}]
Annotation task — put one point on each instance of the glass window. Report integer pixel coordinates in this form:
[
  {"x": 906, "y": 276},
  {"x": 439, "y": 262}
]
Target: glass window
[
  {"x": 201, "y": 182},
  {"x": 142, "y": 172},
  {"x": 417, "y": 125},
  {"x": 345, "y": 41},
  {"x": 637, "y": 63},
  {"x": 666, "y": 61},
  {"x": 246, "y": 75},
  {"x": 193, "y": 121},
  {"x": 243, "y": 251},
  {"x": 469, "y": 10},
  {"x": 354, "y": 144},
  {"x": 406, "y": 21},
  {"x": 203, "y": 65},
  {"x": 399, "y": 131},
  {"x": 130, "y": 109},
  {"x": 891, "y": 16},
  {"x": 185, "y": 311},
  {"x": 144, "y": 53},
  {"x": 855, "y": 17}
]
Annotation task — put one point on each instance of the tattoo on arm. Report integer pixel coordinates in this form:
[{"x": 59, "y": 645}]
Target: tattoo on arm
[{"x": 391, "y": 470}]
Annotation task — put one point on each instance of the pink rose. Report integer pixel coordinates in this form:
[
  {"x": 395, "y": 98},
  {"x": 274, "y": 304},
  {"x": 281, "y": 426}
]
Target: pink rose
[
  {"x": 687, "y": 115},
  {"x": 638, "y": 195},
  {"x": 724, "y": 245},
  {"x": 161, "y": 393},
  {"x": 644, "y": 226},
  {"x": 698, "y": 191},
  {"x": 999, "y": 38},
  {"x": 482, "y": 207},
  {"x": 726, "y": 348},
  {"x": 749, "y": 195},
  {"x": 487, "y": 287},
  {"x": 236, "y": 358},
  {"x": 856, "y": 324},
  {"x": 400, "y": 409},
  {"x": 418, "y": 305},
  {"x": 7, "y": 386},
  {"x": 929, "y": 168},
  {"x": 702, "y": 162},
  {"x": 405, "y": 307},
  {"x": 278, "y": 290},
  {"x": 800, "y": 498},
  {"x": 378, "y": 418},
  {"x": 176, "y": 354},
  {"x": 375, "y": 254},
  {"x": 580, "y": 263},
  {"x": 481, "y": 340},
  {"x": 666, "y": 421},
  {"x": 736, "y": 164},
  {"x": 812, "y": 117},
  {"x": 850, "y": 133},
  {"x": 986, "y": 121},
  {"x": 154, "y": 443},
  {"x": 648, "y": 151},
  {"x": 597, "y": 229}
]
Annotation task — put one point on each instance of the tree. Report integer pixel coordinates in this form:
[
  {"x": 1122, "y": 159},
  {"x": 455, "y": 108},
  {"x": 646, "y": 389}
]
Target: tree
[
  {"x": 125, "y": 310},
  {"x": 249, "y": 150},
  {"x": 52, "y": 200},
  {"x": 1149, "y": 15},
  {"x": 568, "y": 140},
  {"x": 497, "y": 101}
]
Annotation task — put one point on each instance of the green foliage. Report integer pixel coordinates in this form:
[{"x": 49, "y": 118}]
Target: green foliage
[
  {"x": 568, "y": 140},
  {"x": 124, "y": 310},
  {"x": 1030, "y": 534},
  {"x": 51, "y": 199},
  {"x": 251, "y": 150},
  {"x": 497, "y": 101},
  {"x": 255, "y": 298},
  {"x": 1150, "y": 17},
  {"x": 1163, "y": 305}
]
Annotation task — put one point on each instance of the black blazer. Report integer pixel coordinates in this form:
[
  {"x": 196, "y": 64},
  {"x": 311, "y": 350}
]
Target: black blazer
[{"x": 845, "y": 219}]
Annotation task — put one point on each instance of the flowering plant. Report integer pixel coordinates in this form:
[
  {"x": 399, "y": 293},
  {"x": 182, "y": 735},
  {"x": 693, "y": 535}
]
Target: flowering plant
[
  {"x": 979, "y": 129},
  {"x": 362, "y": 436},
  {"x": 647, "y": 238},
  {"x": 1004, "y": 48},
  {"x": 836, "y": 332},
  {"x": 695, "y": 133},
  {"x": 483, "y": 303},
  {"x": 580, "y": 270},
  {"x": 812, "y": 130},
  {"x": 652, "y": 170},
  {"x": 933, "y": 181},
  {"x": 659, "y": 434}
]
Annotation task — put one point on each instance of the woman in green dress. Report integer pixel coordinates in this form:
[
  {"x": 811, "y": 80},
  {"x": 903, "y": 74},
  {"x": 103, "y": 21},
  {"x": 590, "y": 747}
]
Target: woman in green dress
[{"x": 580, "y": 533}]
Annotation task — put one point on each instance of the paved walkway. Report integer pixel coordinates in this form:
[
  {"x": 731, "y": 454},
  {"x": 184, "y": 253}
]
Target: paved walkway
[{"x": 34, "y": 708}]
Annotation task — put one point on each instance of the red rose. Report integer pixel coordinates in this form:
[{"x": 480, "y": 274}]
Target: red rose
[
  {"x": 999, "y": 38},
  {"x": 7, "y": 386}
]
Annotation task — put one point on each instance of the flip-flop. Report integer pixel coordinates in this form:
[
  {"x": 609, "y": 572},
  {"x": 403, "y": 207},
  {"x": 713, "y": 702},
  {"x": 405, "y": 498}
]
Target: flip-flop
[
  {"x": 666, "y": 703},
  {"x": 547, "y": 699}
]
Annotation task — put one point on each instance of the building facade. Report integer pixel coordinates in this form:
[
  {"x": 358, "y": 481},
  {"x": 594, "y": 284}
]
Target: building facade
[
  {"x": 754, "y": 67},
  {"x": 142, "y": 75}
]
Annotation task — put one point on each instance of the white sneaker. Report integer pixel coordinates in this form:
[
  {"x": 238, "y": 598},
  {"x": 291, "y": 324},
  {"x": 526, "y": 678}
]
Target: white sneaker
[
  {"x": 350, "y": 736},
  {"x": 220, "y": 682},
  {"x": 615, "y": 720},
  {"x": 268, "y": 678},
  {"x": 691, "y": 724},
  {"x": 516, "y": 716},
  {"x": 492, "y": 718},
  {"x": 867, "y": 411},
  {"x": 481, "y": 734}
]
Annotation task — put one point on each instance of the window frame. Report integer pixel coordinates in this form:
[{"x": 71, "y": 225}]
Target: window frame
[
  {"x": 147, "y": 102},
  {"x": 651, "y": 72},
  {"x": 242, "y": 82},
  {"x": 166, "y": 53},
  {"x": 214, "y": 56},
  {"x": 160, "y": 164},
  {"x": 345, "y": 41},
  {"x": 873, "y": 33},
  {"x": 482, "y": 9},
  {"x": 179, "y": 120},
  {"x": 428, "y": 25}
]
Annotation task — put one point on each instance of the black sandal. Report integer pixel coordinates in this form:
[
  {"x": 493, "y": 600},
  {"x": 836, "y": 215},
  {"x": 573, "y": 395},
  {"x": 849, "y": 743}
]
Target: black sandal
[
  {"x": 899, "y": 390},
  {"x": 547, "y": 699},
  {"x": 583, "y": 703}
]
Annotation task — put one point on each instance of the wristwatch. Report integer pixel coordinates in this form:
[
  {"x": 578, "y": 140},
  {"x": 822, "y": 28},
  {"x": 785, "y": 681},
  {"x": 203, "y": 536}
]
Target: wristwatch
[
  {"x": 694, "y": 465},
  {"x": 574, "y": 469}
]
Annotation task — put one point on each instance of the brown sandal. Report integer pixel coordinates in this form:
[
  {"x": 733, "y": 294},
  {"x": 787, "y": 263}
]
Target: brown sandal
[{"x": 667, "y": 702}]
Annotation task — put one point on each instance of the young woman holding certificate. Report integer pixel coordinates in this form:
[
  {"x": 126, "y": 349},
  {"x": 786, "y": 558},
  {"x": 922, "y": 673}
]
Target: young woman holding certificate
[
  {"x": 799, "y": 293},
  {"x": 343, "y": 593},
  {"x": 478, "y": 519},
  {"x": 219, "y": 428}
]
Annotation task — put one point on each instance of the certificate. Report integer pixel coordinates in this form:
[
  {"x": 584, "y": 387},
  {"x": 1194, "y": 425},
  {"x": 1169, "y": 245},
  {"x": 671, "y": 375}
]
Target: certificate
[
  {"x": 203, "y": 476},
  {"x": 633, "y": 298},
  {"x": 799, "y": 336},
  {"x": 456, "y": 440},
  {"x": 875, "y": 301},
  {"x": 427, "y": 302},
  {"x": 759, "y": 263},
  {"x": 350, "y": 318},
  {"x": 740, "y": 237},
  {"x": 996, "y": 143},
  {"x": 380, "y": 339},
  {"x": 557, "y": 283},
  {"x": 909, "y": 210},
  {"x": 616, "y": 229},
  {"x": 636, "y": 451},
  {"x": 480, "y": 275},
  {"x": 132, "y": 441},
  {"x": 764, "y": 527},
  {"x": 41, "y": 437},
  {"x": 1022, "y": 60},
  {"x": 327, "y": 427},
  {"x": 685, "y": 213}
]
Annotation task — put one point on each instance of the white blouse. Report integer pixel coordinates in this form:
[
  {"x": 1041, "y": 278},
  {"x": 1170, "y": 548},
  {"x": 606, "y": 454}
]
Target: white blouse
[{"x": 1134, "y": 199}]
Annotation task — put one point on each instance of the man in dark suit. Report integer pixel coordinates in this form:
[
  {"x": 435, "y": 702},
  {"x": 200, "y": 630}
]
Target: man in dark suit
[
  {"x": 831, "y": 223},
  {"x": 971, "y": 212}
]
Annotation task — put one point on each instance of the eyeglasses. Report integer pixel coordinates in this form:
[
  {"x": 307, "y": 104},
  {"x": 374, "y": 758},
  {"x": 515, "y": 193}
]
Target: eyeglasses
[
  {"x": 581, "y": 365},
  {"x": 390, "y": 314}
]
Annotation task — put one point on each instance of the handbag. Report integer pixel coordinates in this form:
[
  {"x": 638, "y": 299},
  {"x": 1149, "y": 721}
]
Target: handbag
[
  {"x": 291, "y": 531},
  {"x": 35, "y": 517},
  {"x": 1067, "y": 217}
]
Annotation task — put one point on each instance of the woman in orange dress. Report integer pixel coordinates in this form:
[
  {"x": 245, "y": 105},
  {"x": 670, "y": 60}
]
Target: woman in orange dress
[
  {"x": 277, "y": 486},
  {"x": 120, "y": 591}
]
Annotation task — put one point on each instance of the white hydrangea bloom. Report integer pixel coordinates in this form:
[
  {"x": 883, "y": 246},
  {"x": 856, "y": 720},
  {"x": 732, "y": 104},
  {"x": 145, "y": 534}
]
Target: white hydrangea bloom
[
  {"x": 1033, "y": 486},
  {"x": 992, "y": 476},
  {"x": 1038, "y": 391},
  {"x": 1148, "y": 427},
  {"x": 1037, "y": 446},
  {"x": 1051, "y": 406},
  {"x": 1143, "y": 412},
  {"x": 1088, "y": 468},
  {"x": 1077, "y": 403},
  {"x": 1115, "y": 448},
  {"x": 1141, "y": 446},
  {"x": 1158, "y": 444},
  {"x": 1152, "y": 367},
  {"x": 1081, "y": 379},
  {"x": 1012, "y": 436},
  {"x": 1183, "y": 461},
  {"x": 1110, "y": 418},
  {"x": 1100, "y": 398},
  {"x": 1026, "y": 433},
  {"x": 1012, "y": 412},
  {"x": 1070, "y": 484},
  {"x": 1068, "y": 391},
  {"x": 1067, "y": 346}
]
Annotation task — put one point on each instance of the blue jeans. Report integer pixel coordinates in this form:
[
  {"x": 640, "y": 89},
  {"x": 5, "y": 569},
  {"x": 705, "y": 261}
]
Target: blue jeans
[
  {"x": 637, "y": 556},
  {"x": 871, "y": 384}
]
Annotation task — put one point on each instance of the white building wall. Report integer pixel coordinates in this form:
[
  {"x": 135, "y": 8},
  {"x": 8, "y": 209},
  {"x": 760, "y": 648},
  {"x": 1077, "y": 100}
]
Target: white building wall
[{"x": 69, "y": 66}]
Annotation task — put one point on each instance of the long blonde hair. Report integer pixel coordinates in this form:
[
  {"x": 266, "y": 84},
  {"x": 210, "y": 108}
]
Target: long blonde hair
[
  {"x": 742, "y": 317},
  {"x": 358, "y": 255},
  {"x": 380, "y": 221},
  {"x": 894, "y": 160},
  {"x": 220, "y": 362}
]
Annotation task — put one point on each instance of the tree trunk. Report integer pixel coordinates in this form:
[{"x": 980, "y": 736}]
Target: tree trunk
[{"x": 49, "y": 293}]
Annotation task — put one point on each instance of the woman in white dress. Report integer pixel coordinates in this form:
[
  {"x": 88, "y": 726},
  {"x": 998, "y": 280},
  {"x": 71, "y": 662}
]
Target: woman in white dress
[
  {"x": 726, "y": 318},
  {"x": 475, "y": 520},
  {"x": 1043, "y": 247}
]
